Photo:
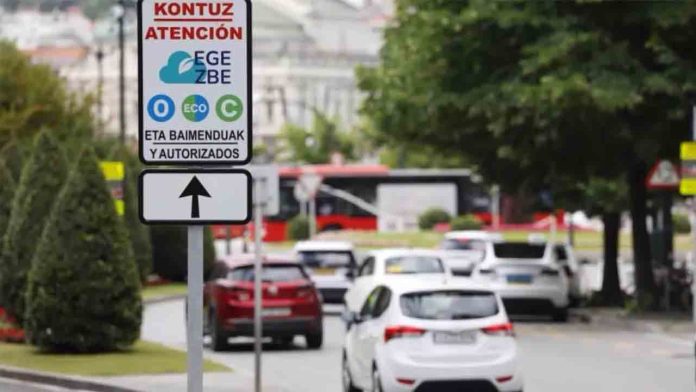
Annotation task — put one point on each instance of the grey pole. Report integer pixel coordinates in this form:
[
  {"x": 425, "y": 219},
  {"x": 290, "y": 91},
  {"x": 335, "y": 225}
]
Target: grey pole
[
  {"x": 194, "y": 320},
  {"x": 312, "y": 217},
  {"x": 121, "y": 73},
  {"x": 258, "y": 331}
]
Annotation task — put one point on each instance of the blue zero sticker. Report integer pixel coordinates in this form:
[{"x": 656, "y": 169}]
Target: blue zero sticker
[{"x": 161, "y": 108}]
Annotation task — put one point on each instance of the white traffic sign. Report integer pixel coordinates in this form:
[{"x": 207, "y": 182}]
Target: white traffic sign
[
  {"x": 307, "y": 186},
  {"x": 663, "y": 175},
  {"x": 269, "y": 197},
  {"x": 195, "y": 81},
  {"x": 195, "y": 196}
]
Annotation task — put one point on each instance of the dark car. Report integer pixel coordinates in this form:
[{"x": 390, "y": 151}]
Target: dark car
[{"x": 291, "y": 303}]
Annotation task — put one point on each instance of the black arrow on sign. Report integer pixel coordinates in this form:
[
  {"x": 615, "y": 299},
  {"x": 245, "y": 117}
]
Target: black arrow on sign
[{"x": 194, "y": 189}]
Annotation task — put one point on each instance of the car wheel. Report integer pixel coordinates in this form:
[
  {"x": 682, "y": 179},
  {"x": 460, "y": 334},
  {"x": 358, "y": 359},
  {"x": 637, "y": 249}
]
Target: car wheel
[
  {"x": 560, "y": 315},
  {"x": 315, "y": 340},
  {"x": 347, "y": 378},
  {"x": 376, "y": 381},
  {"x": 217, "y": 335}
]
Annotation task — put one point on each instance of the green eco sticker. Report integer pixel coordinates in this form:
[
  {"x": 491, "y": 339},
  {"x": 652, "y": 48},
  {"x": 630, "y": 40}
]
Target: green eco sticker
[{"x": 229, "y": 108}]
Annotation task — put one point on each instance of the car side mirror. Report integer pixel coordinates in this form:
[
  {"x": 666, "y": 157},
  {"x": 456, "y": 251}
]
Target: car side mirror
[{"x": 351, "y": 318}]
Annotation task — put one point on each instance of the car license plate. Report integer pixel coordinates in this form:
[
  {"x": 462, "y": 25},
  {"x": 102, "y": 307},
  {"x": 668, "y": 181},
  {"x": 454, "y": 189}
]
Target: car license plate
[
  {"x": 463, "y": 337},
  {"x": 275, "y": 312},
  {"x": 324, "y": 271},
  {"x": 519, "y": 279}
]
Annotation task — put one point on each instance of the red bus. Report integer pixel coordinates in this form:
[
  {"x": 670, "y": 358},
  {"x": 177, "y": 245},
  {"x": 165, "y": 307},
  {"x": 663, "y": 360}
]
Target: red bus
[{"x": 465, "y": 195}]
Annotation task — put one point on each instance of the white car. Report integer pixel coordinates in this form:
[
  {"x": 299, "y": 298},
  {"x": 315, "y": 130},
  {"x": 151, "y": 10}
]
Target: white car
[
  {"x": 565, "y": 258},
  {"x": 383, "y": 264},
  {"x": 526, "y": 276},
  {"x": 424, "y": 335},
  {"x": 462, "y": 250},
  {"x": 331, "y": 265}
]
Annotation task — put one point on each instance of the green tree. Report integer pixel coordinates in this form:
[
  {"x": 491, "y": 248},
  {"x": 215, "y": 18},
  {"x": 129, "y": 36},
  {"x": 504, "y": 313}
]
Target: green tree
[
  {"x": 83, "y": 289},
  {"x": 169, "y": 252},
  {"x": 317, "y": 144},
  {"x": 42, "y": 178},
  {"x": 7, "y": 191},
  {"x": 33, "y": 97},
  {"x": 541, "y": 95},
  {"x": 138, "y": 233}
]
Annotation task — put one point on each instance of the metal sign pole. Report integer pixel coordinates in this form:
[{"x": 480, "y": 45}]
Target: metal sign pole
[
  {"x": 312, "y": 217},
  {"x": 194, "y": 320},
  {"x": 258, "y": 331}
]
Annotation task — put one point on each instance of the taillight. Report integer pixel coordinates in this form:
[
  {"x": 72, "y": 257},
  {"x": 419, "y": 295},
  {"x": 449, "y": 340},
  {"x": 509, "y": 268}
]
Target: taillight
[
  {"x": 504, "y": 329},
  {"x": 402, "y": 331},
  {"x": 549, "y": 271}
]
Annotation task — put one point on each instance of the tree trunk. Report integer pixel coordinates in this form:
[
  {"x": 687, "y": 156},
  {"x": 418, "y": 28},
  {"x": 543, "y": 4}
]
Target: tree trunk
[
  {"x": 611, "y": 289},
  {"x": 644, "y": 280}
]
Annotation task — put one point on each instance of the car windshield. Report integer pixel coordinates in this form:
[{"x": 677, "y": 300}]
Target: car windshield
[
  {"x": 463, "y": 244},
  {"x": 271, "y": 273},
  {"x": 449, "y": 305},
  {"x": 519, "y": 250},
  {"x": 414, "y": 265},
  {"x": 326, "y": 259}
]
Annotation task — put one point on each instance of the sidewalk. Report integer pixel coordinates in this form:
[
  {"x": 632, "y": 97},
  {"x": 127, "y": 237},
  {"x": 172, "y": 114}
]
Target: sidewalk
[
  {"x": 678, "y": 325},
  {"x": 212, "y": 382}
]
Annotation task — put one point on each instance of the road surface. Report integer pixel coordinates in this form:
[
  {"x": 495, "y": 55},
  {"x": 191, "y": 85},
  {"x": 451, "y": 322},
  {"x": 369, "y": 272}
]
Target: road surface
[{"x": 554, "y": 357}]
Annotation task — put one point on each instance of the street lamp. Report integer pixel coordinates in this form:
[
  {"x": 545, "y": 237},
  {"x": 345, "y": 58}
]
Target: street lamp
[{"x": 119, "y": 12}]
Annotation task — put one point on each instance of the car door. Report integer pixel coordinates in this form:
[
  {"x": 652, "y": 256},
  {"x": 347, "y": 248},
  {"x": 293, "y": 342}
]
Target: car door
[
  {"x": 361, "y": 336},
  {"x": 361, "y": 287}
]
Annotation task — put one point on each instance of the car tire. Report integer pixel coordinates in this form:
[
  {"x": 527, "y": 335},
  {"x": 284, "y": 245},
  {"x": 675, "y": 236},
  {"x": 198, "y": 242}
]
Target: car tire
[
  {"x": 217, "y": 336},
  {"x": 346, "y": 378},
  {"x": 315, "y": 340},
  {"x": 376, "y": 381},
  {"x": 560, "y": 315}
]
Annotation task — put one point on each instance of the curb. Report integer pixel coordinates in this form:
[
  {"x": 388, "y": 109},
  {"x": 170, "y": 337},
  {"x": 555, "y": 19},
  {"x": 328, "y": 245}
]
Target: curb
[
  {"x": 158, "y": 300},
  {"x": 614, "y": 321},
  {"x": 58, "y": 380}
]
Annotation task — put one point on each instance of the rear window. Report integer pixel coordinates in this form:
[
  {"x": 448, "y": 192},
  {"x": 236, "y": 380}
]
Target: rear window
[
  {"x": 414, "y": 265},
  {"x": 449, "y": 305},
  {"x": 325, "y": 259},
  {"x": 519, "y": 250},
  {"x": 463, "y": 244},
  {"x": 271, "y": 273}
]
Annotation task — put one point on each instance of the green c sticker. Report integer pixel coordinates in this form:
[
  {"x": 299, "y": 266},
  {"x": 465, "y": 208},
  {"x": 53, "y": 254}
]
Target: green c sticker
[{"x": 229, "y": 108}]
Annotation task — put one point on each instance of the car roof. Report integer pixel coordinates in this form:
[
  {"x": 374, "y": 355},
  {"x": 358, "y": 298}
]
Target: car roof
[
  {"x": 244, "y": 259},
  {"x": 400, "y": 252},
  {"x": 411, "y": 283},
  {"x": 341, "y": 246},
  {"x": 473, "y": 235}
]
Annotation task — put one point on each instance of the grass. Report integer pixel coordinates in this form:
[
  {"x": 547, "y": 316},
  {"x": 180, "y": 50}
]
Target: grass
[
  {"x": 163, "y": 291},
  {"x": 142, "y": 358},
  {"x": 584, "y": 240}
]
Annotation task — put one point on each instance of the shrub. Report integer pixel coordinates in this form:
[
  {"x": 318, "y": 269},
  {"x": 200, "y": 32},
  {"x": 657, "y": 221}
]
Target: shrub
[
  {"x": 467, "y": 222},
  {"x": 83, "y": 291},
  {"x": 298, "y": 228},
  {"x": 681, "y": 224},
  {"x": 170, "y": 252},
  {"x": 138, "y": 233},
  {"x": 7, "y": 190},
  {"x": 431, "y": 217},
  {"x": 41, "y": 180}
]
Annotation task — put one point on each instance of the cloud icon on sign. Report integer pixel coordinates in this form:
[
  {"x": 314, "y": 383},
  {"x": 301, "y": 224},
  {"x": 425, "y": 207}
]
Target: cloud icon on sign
[{"x": 181, "y": 68}]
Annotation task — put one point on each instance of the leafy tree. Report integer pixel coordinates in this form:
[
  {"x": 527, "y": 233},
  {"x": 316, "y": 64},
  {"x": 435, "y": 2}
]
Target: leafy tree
[
  {"x": 83, "y": 289},
  {"x": 316, "y": 145},
  {"x": 42, "y": 178},
  {"x": 138, "y": 233},
  {"x": 608, "y": 199},
  {"x": 540, "y": 94},
  {"x": 7, "y": 191},
  {"x": 33, "y": 97},
  {"x": 169, "y": 251}
]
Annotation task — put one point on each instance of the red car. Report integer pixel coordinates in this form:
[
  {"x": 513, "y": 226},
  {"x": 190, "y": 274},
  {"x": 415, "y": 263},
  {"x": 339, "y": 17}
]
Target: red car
[{"x": 291, "y": 303}]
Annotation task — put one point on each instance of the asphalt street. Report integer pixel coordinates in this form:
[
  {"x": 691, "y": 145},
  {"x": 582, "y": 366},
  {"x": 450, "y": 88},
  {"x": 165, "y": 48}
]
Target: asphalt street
[{"x": 570, "y": 357}]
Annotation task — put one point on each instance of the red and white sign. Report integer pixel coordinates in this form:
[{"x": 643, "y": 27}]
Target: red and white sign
[
  {"x": 195, "y": 81},
  {"x": 664, "y": 175}
]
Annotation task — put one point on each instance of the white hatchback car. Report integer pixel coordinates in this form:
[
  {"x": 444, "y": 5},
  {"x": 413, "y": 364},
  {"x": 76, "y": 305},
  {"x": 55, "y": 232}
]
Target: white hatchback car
[
  {"x": 430, "y": 336},
  {"x": 527, "y": 277},
  {"x": 462, "y": 250},
  {"x": 331, "y": 265},
  {"x": 386, "y": 263}
]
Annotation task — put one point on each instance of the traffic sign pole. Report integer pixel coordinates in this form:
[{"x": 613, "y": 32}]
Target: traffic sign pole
[
  {"x": 258, "y": 326},
  {"x": 194, "y": 320}
]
